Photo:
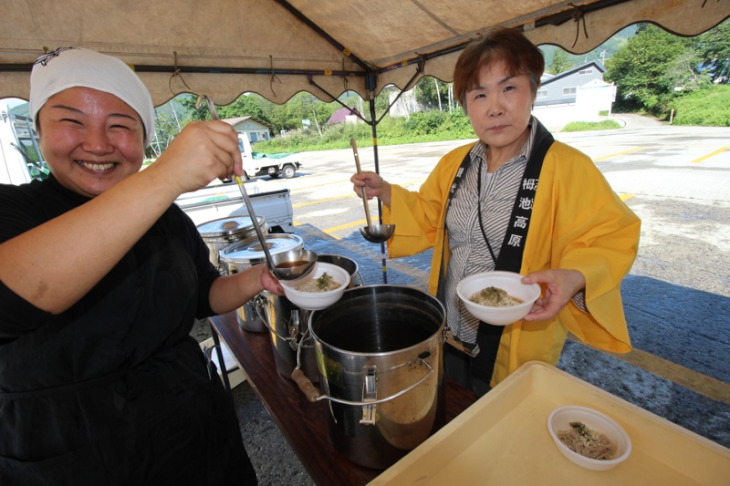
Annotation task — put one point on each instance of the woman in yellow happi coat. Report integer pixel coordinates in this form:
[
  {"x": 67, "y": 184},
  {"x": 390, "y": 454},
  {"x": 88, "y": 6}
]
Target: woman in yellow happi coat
[{"x": 515, "y": 200}]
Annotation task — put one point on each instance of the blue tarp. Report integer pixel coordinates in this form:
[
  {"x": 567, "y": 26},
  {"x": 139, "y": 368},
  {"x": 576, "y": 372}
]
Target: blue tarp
[{"x": 261, "y": 155}]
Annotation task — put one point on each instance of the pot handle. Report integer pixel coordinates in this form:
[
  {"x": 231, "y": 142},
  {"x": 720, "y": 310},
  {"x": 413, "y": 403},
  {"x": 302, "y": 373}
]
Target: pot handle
[
  {"x": 305, "y": 385},
  {"x": 314, "y": 395},
  {"x": 258, "y": 304},
  {"x": 469, "y": 349}
]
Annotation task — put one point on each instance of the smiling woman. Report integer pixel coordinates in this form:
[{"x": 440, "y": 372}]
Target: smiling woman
[
  {"x": 91, "y": 139},
  {"x": 122, "y": 387}
]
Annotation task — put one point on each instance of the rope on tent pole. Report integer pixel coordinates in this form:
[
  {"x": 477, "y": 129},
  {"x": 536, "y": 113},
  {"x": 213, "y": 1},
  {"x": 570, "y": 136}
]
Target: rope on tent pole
[
  {"x": 176, "y": 72},
  {"x": 274, "y": 77},
  {"x": 578, "y": 16}
]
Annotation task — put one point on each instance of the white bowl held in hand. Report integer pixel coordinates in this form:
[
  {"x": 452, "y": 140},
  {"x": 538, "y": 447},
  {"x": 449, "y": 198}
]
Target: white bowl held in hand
[
  {"x": 316, "y": 300},
  {"x": 511, "y": 283},
  {"x": 596, "y": 422}
]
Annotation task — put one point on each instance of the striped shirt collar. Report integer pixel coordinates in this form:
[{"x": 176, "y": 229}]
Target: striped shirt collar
[{"x": 479, "y": 151}]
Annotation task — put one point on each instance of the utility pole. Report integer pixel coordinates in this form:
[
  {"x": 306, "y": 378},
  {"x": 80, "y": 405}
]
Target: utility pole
[
  {"x": 438, "y": 95},
  {"x": 316, "y": 123}
]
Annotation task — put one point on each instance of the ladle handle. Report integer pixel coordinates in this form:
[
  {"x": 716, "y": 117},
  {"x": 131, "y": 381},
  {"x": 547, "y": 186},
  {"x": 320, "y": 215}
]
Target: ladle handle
[
  {"x": 362, "y": 188},
  {"x": 242, "y": 188},
  {"x": 255, "y": 222},
  {"x": 211, "y": 108}
]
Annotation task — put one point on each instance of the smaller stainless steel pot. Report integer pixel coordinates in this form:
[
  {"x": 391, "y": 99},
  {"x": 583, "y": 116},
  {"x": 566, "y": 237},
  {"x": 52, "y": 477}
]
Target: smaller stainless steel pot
[
  {"x": 220, "y": 233},
  {"x": 288, "y": 324},
  {"x": 247, "y": 253},
  {"x": 348, "y": 264}
]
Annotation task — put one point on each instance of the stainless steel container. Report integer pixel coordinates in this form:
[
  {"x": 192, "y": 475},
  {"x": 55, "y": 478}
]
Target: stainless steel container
[
  {"x": 348, "y": 264},
  {"x": 220, "y": 233},
  {"x": 380, "y": 364},
  {"x": 247, "y": 253},
  {"x": 288, "y": 324}
]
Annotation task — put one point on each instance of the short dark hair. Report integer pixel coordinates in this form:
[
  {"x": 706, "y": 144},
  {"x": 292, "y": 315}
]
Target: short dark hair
[{"x": 503, "y": 45}]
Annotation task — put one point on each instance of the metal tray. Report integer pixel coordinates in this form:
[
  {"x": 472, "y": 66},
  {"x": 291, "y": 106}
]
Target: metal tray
[{"x": 503, "y": 439}]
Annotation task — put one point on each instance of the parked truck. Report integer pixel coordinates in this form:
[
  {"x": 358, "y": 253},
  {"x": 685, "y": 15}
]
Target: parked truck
[
  {"x": 222, "y": 199},
  {"x": 273, "y": 165}
]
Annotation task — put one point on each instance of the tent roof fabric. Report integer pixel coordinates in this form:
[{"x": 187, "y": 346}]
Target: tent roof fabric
[{"x": 277, "y": 48}]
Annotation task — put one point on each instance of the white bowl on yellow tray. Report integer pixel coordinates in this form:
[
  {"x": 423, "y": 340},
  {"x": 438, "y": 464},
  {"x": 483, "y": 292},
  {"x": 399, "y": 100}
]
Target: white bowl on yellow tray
[{"x": 596, "y": 422}]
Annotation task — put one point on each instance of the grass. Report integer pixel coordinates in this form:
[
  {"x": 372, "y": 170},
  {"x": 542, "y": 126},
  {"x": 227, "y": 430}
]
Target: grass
[
  {"x": 710, "y": 108},
  {"x": 581, "y": 126},
  {"x": 304, "y": 142}
]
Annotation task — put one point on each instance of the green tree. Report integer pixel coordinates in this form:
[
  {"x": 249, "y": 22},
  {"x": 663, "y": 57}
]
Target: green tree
[
  {"x": 166, "y": 127},
  {"x": 560, "y": 62},
  {"x": 714, "y": 48},
  {"x": 193, "y": 109},
  {"x": 645, "y": 69},
  {"x": 432, "y": 93},
  {"x": 170, "y": 118},
  {"x": 248, "y": 104},
  {"x": 683, "y": 73},
  {"x": 382, "y": 102},
  {"x": 302, "y": 106}
]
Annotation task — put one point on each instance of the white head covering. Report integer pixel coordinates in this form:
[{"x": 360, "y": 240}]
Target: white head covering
[{"x": 70, "y": 67}]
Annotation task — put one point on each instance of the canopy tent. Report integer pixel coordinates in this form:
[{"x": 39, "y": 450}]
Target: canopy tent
[{"x": 277, "y": 48}]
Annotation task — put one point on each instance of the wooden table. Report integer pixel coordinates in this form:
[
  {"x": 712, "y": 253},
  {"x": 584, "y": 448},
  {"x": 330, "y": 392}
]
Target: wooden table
[{"x": 305, "y": 424}]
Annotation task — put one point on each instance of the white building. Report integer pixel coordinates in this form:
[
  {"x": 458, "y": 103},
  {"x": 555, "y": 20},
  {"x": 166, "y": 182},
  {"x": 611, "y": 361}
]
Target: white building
[
  {"x": 255, "y": 129},
  {"x": 579, "y": 94}
]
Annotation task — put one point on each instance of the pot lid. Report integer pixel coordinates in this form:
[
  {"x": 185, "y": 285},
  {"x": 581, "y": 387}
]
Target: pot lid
[
  {"x": 251, "y": 249},
  {"x": 228, "y": 226}
]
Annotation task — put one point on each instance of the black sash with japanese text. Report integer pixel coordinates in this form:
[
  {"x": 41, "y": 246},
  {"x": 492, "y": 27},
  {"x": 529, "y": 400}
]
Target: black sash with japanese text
[
  {"x": 513, "y": 246},
  {"x": 480, "y": 367}
]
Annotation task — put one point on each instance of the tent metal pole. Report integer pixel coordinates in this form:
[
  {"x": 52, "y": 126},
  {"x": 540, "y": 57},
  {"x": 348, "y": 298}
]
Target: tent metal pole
[{"x": 370, "y": 87}]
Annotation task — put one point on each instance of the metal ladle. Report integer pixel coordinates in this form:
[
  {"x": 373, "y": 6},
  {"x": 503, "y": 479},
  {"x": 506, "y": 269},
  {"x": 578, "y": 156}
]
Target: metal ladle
[
  {"x": 291, "y": 265},
  {"x": 374, "y": 233}
]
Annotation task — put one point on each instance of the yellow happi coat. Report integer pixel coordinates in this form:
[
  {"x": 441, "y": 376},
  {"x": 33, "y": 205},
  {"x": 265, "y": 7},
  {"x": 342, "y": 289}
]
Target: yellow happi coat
[{"x": 577, "y": 223}]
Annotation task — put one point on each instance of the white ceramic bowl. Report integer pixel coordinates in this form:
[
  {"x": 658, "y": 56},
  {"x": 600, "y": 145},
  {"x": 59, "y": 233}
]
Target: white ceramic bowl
[
  {"x": 508, "y": 281},
  {"x": 316, "y": 300},
  {"x": 560, "y": 419}
]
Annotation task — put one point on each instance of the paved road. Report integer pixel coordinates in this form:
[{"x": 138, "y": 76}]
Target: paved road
[
  {"x": 629, "y": 120},
  {"x": 675, "y": 178}
]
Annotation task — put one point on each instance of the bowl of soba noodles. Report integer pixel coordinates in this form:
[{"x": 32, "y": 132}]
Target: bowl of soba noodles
[
  {"x": 498, "y": 298},
  {"x": 588, "y": 438},
  {"x": 319, "y": 289}
]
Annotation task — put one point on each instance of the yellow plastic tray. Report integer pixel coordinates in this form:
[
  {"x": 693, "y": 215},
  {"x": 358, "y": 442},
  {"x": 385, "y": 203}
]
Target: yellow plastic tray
[{"x": 503, "y": 439}]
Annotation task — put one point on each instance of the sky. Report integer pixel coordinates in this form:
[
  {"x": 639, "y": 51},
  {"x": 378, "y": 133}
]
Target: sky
[{"x": 12, "y": 102}]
